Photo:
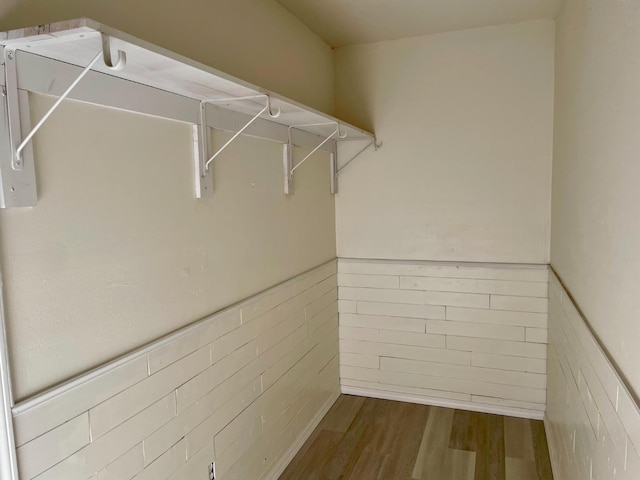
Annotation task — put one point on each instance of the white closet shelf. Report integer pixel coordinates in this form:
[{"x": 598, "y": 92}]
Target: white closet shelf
[{"x": 151, "y": 80}]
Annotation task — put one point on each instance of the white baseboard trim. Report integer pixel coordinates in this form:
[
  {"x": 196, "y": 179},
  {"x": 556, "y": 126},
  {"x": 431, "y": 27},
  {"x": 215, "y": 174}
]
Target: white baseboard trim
[
  {"x": 555, "y": 469},
  {"x": 283, "y": 463},
  {"x": 443, "y": 402}
]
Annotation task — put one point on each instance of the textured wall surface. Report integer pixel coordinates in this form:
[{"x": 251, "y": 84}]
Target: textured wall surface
[
  {"x": 595, "y": 241},
  {"x": 467, "y": 335},
  {"x": 118, "y": 251},
  {"x": 466, "y": 121},
  {"x": 242, "y": 387},
  {"x": 592, "y": 422}
]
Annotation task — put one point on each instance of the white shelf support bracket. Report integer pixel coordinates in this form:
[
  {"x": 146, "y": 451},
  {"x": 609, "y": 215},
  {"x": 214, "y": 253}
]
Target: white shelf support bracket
[
  {"x": 18, "y": 182},
  {"x": 376, "y": 146},
  {"x": 290, "y": 168},
  {"x": 287, "y": 159},
  {"x": 106, "y": 54},
  {"x": 17, "y": 178},
  {"x": 333, "y": 170},
  {"x": 202, "y": 160}
]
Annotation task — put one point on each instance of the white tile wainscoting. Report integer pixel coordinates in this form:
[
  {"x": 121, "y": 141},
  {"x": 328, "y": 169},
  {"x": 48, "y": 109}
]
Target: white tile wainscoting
[
  {"x": 469, "y": 336},
  {"x": 245, "y": 387},
  {"x": 592, "y": 421}
]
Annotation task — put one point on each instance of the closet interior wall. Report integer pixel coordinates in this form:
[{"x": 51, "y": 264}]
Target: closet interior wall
[
  {"x": 443, "y": 234},
  {"x": 118, "y": 253},
  {"x": 594, "y": 379}
]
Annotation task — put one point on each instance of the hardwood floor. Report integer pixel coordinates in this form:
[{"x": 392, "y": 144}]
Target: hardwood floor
[{"x": 370, "y": 439}]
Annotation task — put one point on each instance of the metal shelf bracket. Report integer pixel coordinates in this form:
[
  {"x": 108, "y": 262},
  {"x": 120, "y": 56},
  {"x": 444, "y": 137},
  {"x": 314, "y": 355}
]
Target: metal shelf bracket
[
  {"x": 376, "y": 146},
  {"x": 18, "y": 183},
  {"x": 290, "y": 168},
  {"x": 202, "y": 160}
]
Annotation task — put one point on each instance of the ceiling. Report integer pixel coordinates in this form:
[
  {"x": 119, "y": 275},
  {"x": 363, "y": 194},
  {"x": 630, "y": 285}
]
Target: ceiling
[{"x": 347, "y": 22}]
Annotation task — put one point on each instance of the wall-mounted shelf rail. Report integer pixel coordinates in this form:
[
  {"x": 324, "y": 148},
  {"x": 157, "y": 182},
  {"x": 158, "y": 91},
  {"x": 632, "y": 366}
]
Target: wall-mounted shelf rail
[{"x": 146, "y": 79}]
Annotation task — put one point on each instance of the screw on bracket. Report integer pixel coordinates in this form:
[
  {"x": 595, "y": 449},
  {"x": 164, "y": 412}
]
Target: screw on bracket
[{"x": 10, "y": 55}]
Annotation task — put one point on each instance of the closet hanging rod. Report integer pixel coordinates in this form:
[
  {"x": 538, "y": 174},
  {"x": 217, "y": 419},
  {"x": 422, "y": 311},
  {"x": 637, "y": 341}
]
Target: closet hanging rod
[
  {"x": 333, "y": 134},
  {"x": 203, "y": 122},
  {"x": 17, "y": 162}
]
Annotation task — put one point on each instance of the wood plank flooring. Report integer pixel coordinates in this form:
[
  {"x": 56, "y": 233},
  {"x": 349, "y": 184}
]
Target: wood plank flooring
[{"x": 370, "y": 439}]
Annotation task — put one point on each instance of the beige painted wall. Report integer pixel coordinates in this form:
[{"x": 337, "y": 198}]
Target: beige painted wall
[
  {"x": 595, "y": 242},
  {"x": 118, "y": 252},
  {"x": 466, "y": 121},
  {"x": 256, "y": 40}
]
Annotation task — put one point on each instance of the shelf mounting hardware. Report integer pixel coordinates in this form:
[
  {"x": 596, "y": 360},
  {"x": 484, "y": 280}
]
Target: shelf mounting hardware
[
  {"x": 289, "y": 168},
  {"x": 17, "y": 162},
  {"x": 376, "y": 146},
  {"x": 106, "y": 53},
  {"x": 204, "y": 177}
]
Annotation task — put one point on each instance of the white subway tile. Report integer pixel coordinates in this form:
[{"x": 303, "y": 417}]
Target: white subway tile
[
  {"x": 266, "y": 301},
  {"x": 536, "y": 335},
  {"x": 519, "y": 319},
  {"x": 235, "y": 340},
  {"x": 487, "y": 375},
  {"x": 632, "y": 461},
  {"x": 629, "y": 416},
  {"x": 346, "y": 306},
  {"x": 196, "y": 464},
  {"x": 175, "y": 350},
  {"x": 425, "y": 269},
  {"x": 506, "y": 362},
  {"x": 242, "y": 429},
  {"x": 358, "y": 360},
  {"x": 509, "y": 392},
  {"x": 220, "y": 324},
  {"x": 404, "y": 351},
  {"x": 326, "y": 285},
  {"x": 411, "y": 338},
  {"x": 471, "y": 300},
  {"x": 501, "y": 402},
  {"x": 322, "y": 317},
  {"x": 423, "y": 392},
  {"x": 318, "y": 275},
  {"x": 57, "y": 410},
  {"x": 116, "y": 442},
  {"x": 355, "y": 333},
  {"x": 166, "y": 464},
  {"x": 227, "y": 457},
  {"x": 203, "y": 383},
  {"x": 382, "y": 322},
  {"x": 382, "y": 295},
  {"x": 496, "y": 287},
  {"x": 519, "y": 304},
  {"x": 358, "y": 373},
  {"x": 589, "y": 434},
  {"x": 501, "y": 347},
  {"x": 317, "y": 306},
  {"x": 368, "y": 281},
  {"x": 294, "y": 356},
  {"x": 186, "y": 421},
  {"x": 477, "y": 330},
  {"x": 271, "y": 336},
  {"x": 198, "y": 437},
  {"x": 119, "y": 408},
  {"x": 45, "y": 451},
  {"x": 124, "y": 467},
  {"x": 401, "y": 310}
]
